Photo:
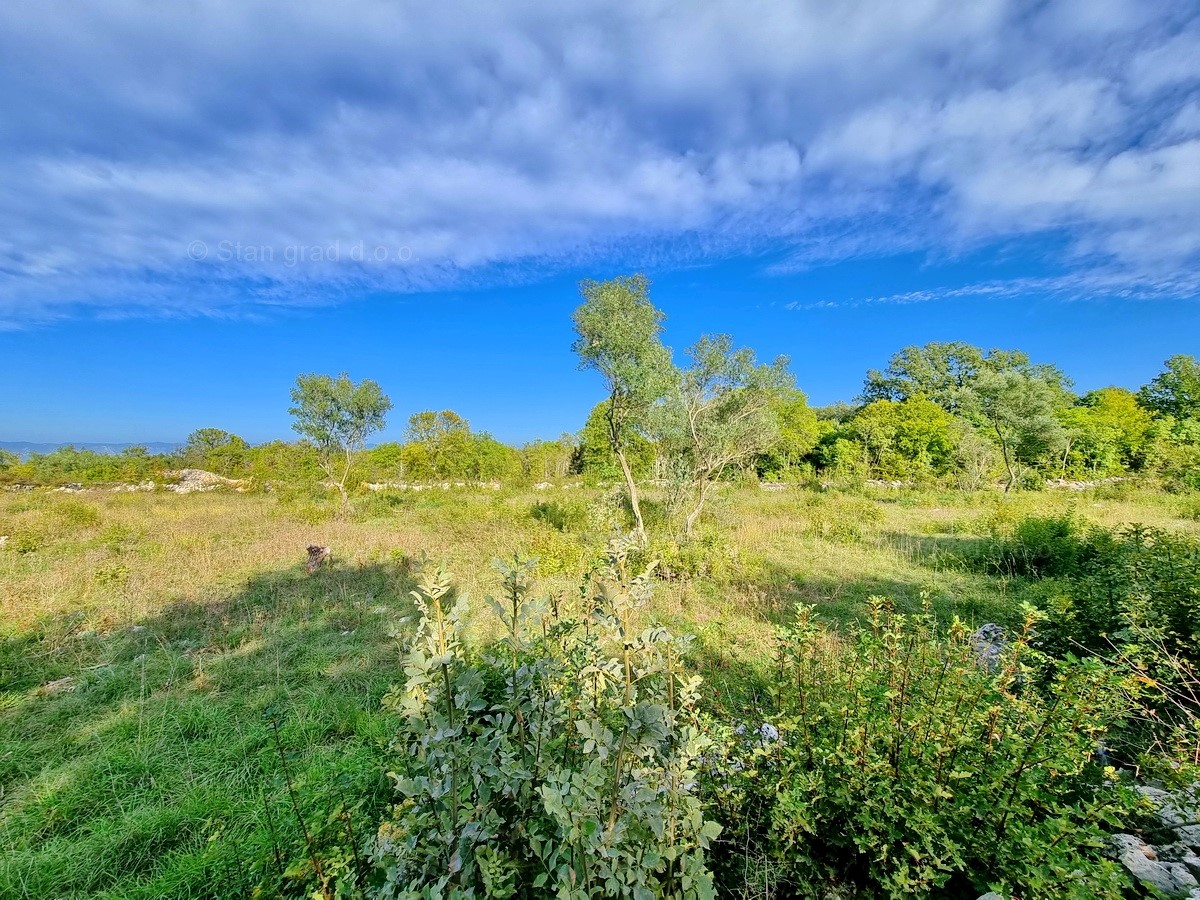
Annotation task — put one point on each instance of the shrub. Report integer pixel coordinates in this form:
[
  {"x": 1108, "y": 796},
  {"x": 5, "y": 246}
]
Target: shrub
[
  {"x": 899, "y": 763},
  {"x": 1100, "y": 583},
  {"x": 76, "y": 513},
  {"x": 561, "y": 515},
  {"x": 1137, "y": 576},
  {"x": 1038, "y": 546},
  {"x": 707, "y": 555},
  {"x": 556, "y": 553},
  {"x": 559, "y": 761},
  {"x": 839, "y": 517}
]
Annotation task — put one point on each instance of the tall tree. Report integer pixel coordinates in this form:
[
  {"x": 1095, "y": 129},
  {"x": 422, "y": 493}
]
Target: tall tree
[
  {"x": 1019, "y": 409},
  {"x": 723, "y": 412},
  {"x": 541, "y": 460},
  {"x": 905, "y": 439},
  {"x": 1176, "y": 390},
  {"x": 619, "y": 336},
  {"x": 945, "y": 373},
  {"x": 337, "y": 415},
  {"x": 1107, "y": 432},
  {"x": 442, "y": 444}
]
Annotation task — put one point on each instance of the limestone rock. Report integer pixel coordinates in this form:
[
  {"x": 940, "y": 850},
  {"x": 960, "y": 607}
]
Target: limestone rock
[
  {"x": 1178, "y": 811},
  {"x": 1141, "y": 861},
  {"x": 189, "y": 481},
  {"x": 989, "y": 642}
]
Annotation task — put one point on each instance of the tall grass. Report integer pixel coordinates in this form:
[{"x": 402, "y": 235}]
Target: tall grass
[{"x": 150, "y": 643}]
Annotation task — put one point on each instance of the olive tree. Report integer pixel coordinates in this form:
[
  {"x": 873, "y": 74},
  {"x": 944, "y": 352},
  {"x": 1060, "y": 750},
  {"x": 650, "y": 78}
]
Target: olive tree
[
  {"x": 721, "y": 413},
  {"x": 1019, "y": 409},
  {"x": 337, "y": 415},
  {"x": 619, "y": 337}
]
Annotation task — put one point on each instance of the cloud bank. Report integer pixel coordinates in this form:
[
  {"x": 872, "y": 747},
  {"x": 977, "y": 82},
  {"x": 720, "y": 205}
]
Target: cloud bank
[{"x": 318, "y": 150}]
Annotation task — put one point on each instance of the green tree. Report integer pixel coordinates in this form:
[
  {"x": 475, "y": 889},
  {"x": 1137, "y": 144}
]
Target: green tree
[
  {"x": 946, "y": 372},
  {"x": 1176, "y": 390},
  {"x": 542, "y": 460},
  {"x": 338, "y": 415},
  {"x": 799, "y": 432},
  {"x": 594, "y": 457},
  {"x": 384, "y": 462},
  {"x": 492, "y": 460},
  {"x": 1019, "y": 409},
  {"x": 905, "y": 439},
  {"x": 283, "y": 460},
  {"x": 619, "y": 336},
  {"x": 443, "y": 444},
  {"x": 1106, "y": 433},
  {"x": 839, "y": 411},
  {"x": 722, "y": 413},
  {"x": 1173, "y": 451},
  {"x": 215, "y": 450}
]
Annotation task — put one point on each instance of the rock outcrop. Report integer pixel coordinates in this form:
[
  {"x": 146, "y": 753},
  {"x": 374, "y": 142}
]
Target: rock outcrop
[
  {"x": 189, "y": 481},
  {"x": 1172, "y": 866}
]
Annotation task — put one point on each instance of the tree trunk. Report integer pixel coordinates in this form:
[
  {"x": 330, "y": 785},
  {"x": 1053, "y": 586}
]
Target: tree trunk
[
  {"x": 695, "y": 513},
  {"x": 614, "y": 438},
  {"x": 639, "y": 526},
  {"x": 341, "y": 484},
  {"x": 1007, "y": 461}
]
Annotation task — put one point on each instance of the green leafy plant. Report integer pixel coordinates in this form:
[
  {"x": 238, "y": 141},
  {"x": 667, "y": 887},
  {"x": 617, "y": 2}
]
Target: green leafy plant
[
  {"x": 898, "y": 763},
  {"x": 558, "y": 761}
]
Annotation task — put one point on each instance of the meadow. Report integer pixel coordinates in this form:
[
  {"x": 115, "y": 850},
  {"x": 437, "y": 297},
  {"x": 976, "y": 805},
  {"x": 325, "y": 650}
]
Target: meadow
[{"x": 185, "y": 712}]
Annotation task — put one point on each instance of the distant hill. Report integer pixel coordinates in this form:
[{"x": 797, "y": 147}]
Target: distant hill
[{"x": 24, "y": 448}]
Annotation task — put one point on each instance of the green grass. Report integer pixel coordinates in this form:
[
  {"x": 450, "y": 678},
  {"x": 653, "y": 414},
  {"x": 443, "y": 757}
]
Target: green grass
[{"x": 166, "y": 666}]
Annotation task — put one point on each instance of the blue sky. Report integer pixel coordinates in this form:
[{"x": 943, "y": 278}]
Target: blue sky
[{"x": 198, "y": 203}]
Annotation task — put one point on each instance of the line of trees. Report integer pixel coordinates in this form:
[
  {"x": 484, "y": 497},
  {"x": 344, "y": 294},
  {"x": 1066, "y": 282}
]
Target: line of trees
[
  {"x": 942, "y": 411},
  {"x": 951, "y": 409},
  {"x": 938, "y": 411}
]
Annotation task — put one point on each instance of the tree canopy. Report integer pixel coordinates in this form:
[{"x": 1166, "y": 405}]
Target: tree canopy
[
  {"x": 619, "y": 336},
  {"x": 337, "y": 416},
  {"x": 1176, "y": 390}
]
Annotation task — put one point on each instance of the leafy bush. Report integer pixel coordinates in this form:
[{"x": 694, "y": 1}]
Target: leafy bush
[
  {"x": 1100, "y": 583},
  {"x": 561, "y": 515},
  {"x": 706, "y": 555},
  {"x": 1038, "y": 547},
  {"x": 839, "y": 517},
  {"x": 556, "y": 553},
  {"x": 1143, "y": 577},
  {"x": 76, "y": 513},
  {"x": 900, "y": 763},
  {"x": 559, "y": 761}
]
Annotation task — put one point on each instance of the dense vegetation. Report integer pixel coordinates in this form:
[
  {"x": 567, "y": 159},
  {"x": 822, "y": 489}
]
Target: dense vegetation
[
  {"x": 946, "y": 413},
  {"x": 732, "y": 648}
]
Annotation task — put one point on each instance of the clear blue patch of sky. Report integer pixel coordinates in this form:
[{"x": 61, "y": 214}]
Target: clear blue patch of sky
[{"x": 501, "y": 356}]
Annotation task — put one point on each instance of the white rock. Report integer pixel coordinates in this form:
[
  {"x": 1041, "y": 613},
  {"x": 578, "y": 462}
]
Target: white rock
[{"x": 1172, "y": 878}]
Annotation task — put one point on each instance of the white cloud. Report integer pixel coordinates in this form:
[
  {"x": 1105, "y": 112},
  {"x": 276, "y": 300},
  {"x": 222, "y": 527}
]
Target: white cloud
[{"x": 490, "y": 139}]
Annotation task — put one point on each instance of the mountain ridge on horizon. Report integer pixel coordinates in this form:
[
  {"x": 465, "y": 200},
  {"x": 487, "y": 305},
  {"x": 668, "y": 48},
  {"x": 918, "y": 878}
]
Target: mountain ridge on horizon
[{"x": 24, "y": 448}]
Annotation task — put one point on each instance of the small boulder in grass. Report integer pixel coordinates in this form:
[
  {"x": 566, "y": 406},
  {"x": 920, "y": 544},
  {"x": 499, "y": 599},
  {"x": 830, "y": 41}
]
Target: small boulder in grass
[
  {"x": 989, "y": 642},
  {"x": 317, "y": 557}
]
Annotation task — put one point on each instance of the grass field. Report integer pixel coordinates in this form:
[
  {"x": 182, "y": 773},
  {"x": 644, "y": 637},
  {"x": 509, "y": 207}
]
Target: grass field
[{"x": 184, "y": 712}]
